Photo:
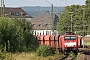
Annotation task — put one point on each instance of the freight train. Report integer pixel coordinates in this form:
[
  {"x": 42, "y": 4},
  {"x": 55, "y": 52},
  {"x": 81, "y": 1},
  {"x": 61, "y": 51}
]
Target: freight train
[{"x": 65, "y": 42}]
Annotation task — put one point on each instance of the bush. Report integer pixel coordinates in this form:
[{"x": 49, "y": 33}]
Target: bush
[
  {"x": 17, "y": 35},
  {"x": 44, "y": 51},
  {"x": 72, "y": 54}
]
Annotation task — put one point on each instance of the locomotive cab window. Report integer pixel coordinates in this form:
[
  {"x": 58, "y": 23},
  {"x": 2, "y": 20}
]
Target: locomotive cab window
[
  {"x": 73, "y": 38},
  {"x": 70, "y": 37},
  {"x": 67, "y": 37}
]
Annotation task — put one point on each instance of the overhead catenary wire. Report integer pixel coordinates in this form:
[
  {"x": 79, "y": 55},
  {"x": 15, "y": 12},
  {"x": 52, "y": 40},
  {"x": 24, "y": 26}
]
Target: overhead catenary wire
[
  {"x": 48, "y": 2},
  {"x": 53, "y": 5},
  {"x": 52, "y": 15}
]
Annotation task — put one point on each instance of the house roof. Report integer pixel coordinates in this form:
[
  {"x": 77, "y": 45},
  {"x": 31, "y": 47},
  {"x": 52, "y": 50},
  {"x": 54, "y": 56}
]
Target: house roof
[
  {"x": 44, "y": 22},
  {"x": 9, "y": 12}
]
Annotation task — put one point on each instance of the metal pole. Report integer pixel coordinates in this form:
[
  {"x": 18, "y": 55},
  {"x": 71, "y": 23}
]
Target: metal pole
[
  {"x": 52, "y": 19},
  {"x": 83, "y": 21},
  {"x": 2, "y": 8},
  {"x": 83, "y": 28},
  {"x": 71, "y": 22}
]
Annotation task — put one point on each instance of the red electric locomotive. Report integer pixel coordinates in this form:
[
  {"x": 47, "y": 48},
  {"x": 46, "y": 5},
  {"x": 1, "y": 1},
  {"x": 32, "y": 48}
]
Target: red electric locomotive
[{"x": 68, "y": 42}]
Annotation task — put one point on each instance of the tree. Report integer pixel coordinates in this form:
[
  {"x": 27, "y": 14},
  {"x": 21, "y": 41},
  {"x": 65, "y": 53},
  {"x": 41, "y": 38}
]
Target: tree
[
  {"x": 80, "y": 19},
  {"x": 16, "y": 35},
  {"x": 64, "y": 24},
  {"x": 87, "y": 15}
]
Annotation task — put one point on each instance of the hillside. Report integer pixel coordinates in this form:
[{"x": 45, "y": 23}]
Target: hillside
[{"x": 34, "y": 10}]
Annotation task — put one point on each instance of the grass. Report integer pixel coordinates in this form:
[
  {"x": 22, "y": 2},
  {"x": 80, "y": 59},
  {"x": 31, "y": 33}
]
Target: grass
[
  {"x": 33, "y": 56},
  {"x": 88, "y": 43}
]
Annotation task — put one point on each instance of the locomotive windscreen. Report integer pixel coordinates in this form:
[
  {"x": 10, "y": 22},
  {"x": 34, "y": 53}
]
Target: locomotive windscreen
[{"x": 70, "y": 37}]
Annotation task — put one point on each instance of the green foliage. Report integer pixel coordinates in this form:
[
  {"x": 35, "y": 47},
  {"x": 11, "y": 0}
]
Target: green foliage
[
  {"x": 73, "y": 55},
  {"x": 1, "y": 55},
  {"x": 64, "y": 23},
  {"x": 4, "y": 55},
  {"x": 17, "y": 34},
  {"x": 44, "y": 51},
  {"x": 80, "y": 19}
]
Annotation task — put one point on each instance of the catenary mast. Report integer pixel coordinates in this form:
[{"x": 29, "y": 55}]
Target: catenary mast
[{"x": 2, "y": 8}]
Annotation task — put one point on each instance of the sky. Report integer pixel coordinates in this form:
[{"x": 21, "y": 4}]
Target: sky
[{"x": 19, "y": 3}]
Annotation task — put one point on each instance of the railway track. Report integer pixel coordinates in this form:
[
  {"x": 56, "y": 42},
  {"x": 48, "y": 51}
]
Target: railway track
[
  {"x": 84, "y": 49},
  {"x": 67, "y": 57},
  {"x": 84, "y": 56}
]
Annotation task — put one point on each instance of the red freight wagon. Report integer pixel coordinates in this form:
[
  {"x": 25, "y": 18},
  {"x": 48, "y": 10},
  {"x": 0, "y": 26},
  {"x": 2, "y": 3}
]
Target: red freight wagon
[
  {"x": 57, "y": 41},
  {"x": 52, "y": 39},
  {"x": 41, "y": 39},
  {"x": 47, "y": 40}
]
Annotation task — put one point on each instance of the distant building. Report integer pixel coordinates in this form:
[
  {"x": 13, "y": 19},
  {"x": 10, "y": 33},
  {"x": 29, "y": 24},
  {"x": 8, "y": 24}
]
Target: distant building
[
  {"x": 15, "y": 12},
  {"x": 44, "y": 24}
]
